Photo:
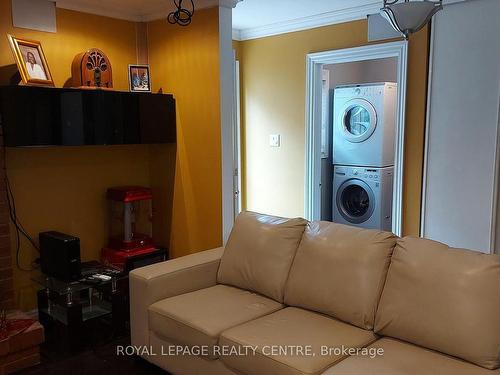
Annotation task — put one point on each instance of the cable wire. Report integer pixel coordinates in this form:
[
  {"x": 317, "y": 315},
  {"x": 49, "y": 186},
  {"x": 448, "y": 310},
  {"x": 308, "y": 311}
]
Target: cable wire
[
  {"x": 181, "y": 16},
  {"x": 19, "y": 228}
]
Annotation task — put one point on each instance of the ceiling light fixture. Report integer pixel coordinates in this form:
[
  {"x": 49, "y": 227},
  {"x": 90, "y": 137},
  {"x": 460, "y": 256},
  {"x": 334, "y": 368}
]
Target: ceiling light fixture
[
  {"x": 408, "y": 16},
  {"x": 181, "y": 16}
]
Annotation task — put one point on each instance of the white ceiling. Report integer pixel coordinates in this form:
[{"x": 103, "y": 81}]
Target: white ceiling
[
  {"x": 250, "y": 14},
  {"x": 251, "y": 18},
  {"x": 133, "y": 10},
  {"x": 261, "y": 18}
]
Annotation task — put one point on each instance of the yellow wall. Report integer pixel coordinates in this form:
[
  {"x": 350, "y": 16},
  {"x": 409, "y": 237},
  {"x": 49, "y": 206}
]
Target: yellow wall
[
  {"x": 63, "y": 188},
  {"x": 185, "y": 61},
  {"x": 273, "y": 72},
  {"x": 76, "y": 32}
]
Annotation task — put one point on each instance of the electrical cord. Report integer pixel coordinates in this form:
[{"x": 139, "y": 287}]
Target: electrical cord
[
  {"x": 181, "y": 16},
  {"x": 19, "y": 228}
]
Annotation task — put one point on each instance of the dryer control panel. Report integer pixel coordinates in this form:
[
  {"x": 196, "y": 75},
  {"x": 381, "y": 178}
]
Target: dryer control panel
[{"x": 372, "y": 89}]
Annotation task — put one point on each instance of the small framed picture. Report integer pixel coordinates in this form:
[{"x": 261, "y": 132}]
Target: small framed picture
[
  {"x": 139, "y": 78},
  {"x": 31, "y": 61}
]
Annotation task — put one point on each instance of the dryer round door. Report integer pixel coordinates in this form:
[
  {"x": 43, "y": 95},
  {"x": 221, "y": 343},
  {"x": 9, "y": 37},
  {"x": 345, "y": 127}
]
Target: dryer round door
[
  {"x": 355, "y": 201},
  {"x": 358, "y": 120}
]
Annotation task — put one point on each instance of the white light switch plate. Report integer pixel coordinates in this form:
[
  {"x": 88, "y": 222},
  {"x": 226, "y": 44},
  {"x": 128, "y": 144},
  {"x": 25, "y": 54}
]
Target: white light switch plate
[{"x": 275, "y": 140}]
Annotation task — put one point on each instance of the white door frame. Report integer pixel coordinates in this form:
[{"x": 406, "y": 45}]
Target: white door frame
[
  {"x": 427, "y": 130},
  {"x": 237, "y": 139},
  {"x": 314, "y": 64},
  {"x": 495, "y": 231},
  {"x": 227, "y": 112}
]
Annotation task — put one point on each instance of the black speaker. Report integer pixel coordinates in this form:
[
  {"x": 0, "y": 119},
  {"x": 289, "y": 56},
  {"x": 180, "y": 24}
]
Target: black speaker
[{"x": 60, "y": 255}]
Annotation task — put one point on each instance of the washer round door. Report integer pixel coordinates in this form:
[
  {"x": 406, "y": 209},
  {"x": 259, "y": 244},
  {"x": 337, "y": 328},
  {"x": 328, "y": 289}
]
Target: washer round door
[
  {"x": 358, "y": 120},
  {"x": 355, "y": 201}
]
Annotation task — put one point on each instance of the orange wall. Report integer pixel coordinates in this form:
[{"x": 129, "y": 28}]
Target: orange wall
[
  {"x": 273, "y": 72},
  {"x": 76, "y": 32},
  {"x": 63, "y": 188},
  {"x": 185, "y": 61}
]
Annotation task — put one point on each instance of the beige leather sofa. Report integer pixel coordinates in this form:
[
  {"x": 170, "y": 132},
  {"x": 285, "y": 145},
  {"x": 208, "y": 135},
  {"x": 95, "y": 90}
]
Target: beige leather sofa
[{"x": 291, "y": 297}]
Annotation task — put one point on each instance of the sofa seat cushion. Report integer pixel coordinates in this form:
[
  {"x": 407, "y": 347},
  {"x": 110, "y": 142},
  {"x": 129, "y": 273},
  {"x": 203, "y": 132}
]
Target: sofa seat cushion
[
  {"x": 260, "y": 252},
  {"x": 198, "y": 318},
  {"x": 340, "y": 271},
  {"x": 298, "y": 334},
  {"x": 444, "y": 299},
  {"x": 400, "y": 358}
]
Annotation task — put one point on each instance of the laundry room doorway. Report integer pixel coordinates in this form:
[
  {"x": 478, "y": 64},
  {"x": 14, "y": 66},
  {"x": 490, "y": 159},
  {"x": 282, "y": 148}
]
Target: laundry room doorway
[{"x": 355, "y": 107}]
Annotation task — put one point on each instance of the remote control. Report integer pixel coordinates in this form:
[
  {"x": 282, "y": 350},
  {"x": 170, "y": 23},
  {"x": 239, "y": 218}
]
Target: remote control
[{"x": 102, "y": 277}]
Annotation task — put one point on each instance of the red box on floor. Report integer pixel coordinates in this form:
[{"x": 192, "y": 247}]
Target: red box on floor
[{"x": 21, "y": 350}]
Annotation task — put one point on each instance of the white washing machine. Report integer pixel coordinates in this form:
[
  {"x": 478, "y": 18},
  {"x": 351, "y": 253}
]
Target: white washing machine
[
  {"x": 363, "y": 196},
  {"x": 364, "y": 124}
]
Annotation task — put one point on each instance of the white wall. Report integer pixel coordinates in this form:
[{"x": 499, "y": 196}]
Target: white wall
[{"x": 462, "y": 128}]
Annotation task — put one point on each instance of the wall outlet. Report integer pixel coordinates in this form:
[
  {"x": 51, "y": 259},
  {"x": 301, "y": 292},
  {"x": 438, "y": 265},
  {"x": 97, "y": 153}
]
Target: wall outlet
[{"x": 275, "y": 140}]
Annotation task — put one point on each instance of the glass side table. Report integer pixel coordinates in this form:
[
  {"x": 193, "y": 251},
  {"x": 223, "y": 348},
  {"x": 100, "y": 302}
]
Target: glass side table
[
  {"x": 73, "y": 308},
  {"x": 62, "y": 300}
]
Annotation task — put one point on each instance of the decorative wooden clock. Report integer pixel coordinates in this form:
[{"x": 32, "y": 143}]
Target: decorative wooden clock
[{"x": 92, "y": 69}]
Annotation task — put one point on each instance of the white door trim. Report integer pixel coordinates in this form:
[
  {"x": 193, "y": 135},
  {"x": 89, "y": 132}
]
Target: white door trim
[
  {"x": 314, "y": 63},
  {"x": 495, "y": 224},
  {"x": 427, "y": 131},
  {"x": 227, "y": 119},
  {"x": 237, "y": 139}
]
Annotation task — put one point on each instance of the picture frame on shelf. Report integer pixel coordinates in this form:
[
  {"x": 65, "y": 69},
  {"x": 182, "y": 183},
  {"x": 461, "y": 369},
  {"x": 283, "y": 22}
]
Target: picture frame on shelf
[
  {"x": 31, "y": 61},
  {"x": 139, "y": 78}
]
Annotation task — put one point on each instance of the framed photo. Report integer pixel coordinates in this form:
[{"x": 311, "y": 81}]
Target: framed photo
[
  {"x": 139, "y": 78},
  {"x": 31, "y": 61}
]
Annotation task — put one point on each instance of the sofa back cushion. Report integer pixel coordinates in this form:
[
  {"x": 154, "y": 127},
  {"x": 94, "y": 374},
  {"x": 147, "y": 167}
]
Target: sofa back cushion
[
  {"x": 259, "y": 253},
  {"x": 340, "y": 270},
  {"x": 444, "y": 299}
]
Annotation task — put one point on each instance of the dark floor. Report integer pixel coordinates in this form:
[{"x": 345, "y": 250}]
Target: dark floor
[{"x": 101, "y": 359}]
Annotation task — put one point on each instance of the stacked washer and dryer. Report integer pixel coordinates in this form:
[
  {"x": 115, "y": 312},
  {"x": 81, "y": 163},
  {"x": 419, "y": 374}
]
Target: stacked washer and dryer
[{"x": 364, "y": 126}]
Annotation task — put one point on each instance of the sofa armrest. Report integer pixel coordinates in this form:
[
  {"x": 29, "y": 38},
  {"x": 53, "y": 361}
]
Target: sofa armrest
[{"x": 167, "y": 279}]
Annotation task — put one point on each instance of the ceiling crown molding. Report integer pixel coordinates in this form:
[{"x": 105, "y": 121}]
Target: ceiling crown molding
[
  {"x": 310, "y": 22},
  {"x": 228, "y": 3},
  {"x": 237, "y": 34}
]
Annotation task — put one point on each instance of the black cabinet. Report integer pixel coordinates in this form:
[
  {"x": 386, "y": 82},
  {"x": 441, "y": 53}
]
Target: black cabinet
[
  {"x": 93, "y": 118},
  {"x": 38, "y": 116},
  {"x": 29, "y": 118},
  {"x": 151, "y": 108}
]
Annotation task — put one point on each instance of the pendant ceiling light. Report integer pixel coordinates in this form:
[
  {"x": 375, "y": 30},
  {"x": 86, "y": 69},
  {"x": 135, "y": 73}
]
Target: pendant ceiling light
[{"x": 408, "y": 16}]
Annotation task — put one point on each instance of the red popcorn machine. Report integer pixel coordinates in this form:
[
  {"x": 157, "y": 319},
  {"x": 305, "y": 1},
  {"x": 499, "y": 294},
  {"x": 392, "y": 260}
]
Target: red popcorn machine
[{"x": 130, "y": 243}]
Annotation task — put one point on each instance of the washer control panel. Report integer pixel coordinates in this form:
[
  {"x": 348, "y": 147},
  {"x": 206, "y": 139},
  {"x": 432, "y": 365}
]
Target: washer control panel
[{"x": 362, "y": 173}]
